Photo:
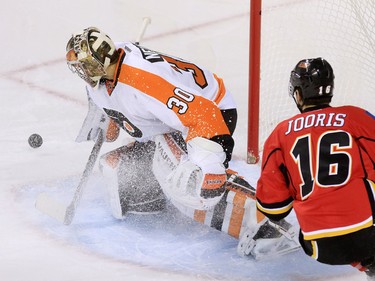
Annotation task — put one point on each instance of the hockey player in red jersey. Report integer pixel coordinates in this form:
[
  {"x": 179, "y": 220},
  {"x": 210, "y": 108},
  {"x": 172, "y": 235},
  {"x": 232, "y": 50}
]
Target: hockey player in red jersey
[
  {"x": 321, "y": 163},
  {"x": 181, "y": 117}
]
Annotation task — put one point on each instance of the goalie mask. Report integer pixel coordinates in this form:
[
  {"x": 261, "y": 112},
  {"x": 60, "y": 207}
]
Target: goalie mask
[
  {"x": 89, "y": 53},
  {"x": 315, "y": 80}
]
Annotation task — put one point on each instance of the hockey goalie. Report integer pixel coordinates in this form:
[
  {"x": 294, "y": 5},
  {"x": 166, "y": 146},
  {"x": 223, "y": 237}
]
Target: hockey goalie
[{"x": 182, "y": 118}]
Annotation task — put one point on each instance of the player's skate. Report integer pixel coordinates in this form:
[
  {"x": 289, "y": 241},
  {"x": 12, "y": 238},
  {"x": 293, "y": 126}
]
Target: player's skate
[
  {"x": 370, "y": 272},
  {"x": 367, "y": 266}
]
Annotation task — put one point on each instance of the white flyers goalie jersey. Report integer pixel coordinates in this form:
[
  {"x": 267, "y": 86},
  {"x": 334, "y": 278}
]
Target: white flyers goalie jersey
[
  {"x": 322, "y": 164},
  {"x": 154, "y": 94}
]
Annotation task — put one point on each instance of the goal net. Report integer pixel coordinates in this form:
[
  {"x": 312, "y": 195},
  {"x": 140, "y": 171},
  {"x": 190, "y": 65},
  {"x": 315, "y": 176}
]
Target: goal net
[{"x": 341, "y": 31}]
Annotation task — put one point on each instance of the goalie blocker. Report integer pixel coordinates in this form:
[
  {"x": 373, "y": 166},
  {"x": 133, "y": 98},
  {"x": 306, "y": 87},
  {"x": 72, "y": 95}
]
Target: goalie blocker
[{"x": 135, "y": 175}]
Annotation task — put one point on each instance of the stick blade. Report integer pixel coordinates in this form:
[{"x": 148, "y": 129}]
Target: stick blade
[{"x": 51, "y": 207}]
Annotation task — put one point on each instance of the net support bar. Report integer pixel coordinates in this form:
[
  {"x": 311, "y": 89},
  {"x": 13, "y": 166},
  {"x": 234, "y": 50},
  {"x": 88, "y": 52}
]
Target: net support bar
[{"x": 254, "y": 82}]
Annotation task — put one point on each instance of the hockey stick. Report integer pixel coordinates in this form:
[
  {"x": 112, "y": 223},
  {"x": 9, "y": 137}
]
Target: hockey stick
[
  {"x": 60, "y": 211},
  {"x": 146, "y": 22}
]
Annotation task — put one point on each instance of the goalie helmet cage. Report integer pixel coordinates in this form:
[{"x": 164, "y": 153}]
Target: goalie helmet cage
[{"x": 282, "y": 32}]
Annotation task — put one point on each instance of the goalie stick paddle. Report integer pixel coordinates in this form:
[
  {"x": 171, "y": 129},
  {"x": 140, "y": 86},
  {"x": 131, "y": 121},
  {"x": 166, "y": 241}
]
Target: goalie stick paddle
[{"x": 57, "y": 209}]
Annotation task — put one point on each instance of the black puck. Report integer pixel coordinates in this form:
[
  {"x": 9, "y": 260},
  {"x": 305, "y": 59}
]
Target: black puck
[{"x": 35, "y": 141}]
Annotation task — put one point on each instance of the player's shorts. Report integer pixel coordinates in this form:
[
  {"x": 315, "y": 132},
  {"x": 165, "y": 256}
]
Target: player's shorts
[{"x": 345, "y": 249}]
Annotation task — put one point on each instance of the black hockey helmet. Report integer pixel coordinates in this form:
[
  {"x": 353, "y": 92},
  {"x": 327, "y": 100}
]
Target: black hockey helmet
[
  {"x": 89, "y": 53},
  {"x": 314, "y": 78}
]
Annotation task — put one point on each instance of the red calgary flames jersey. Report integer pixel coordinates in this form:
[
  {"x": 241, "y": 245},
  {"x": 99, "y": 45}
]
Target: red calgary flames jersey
[{"x": 322, "y": 164}]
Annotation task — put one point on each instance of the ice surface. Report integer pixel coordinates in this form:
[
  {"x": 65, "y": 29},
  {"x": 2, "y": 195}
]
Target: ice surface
[
  {"x": 167, "y": 241},
  {"x": 39, "y": 95}
]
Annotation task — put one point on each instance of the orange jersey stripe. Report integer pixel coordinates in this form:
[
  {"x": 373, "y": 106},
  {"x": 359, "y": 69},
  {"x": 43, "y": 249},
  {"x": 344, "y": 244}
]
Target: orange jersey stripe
[{"x": 202, "y": 117}]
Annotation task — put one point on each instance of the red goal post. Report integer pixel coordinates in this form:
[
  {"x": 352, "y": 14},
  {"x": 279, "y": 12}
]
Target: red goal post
[{"x": 282, "y": 32}]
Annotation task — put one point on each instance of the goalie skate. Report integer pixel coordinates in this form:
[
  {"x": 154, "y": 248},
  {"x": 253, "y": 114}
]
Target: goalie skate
[{"x": 271, "y": 239}]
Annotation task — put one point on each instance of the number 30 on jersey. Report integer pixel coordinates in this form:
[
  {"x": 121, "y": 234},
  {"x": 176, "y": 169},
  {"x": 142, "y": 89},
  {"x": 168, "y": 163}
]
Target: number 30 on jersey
[{"x": 181, "y": 100}]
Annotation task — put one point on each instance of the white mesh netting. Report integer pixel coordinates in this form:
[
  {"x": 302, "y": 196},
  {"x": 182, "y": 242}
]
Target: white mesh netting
[{"x": 341, "y": 31}]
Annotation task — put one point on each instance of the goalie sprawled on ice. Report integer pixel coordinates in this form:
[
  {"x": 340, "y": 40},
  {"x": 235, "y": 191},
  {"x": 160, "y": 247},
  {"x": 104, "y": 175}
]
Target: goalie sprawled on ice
[{"x": 182, "y": 119}]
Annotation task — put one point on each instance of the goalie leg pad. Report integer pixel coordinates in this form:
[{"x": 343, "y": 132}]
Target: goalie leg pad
[
  {"x": 131, "y": 185},
  {"x": 174, "y": 173},
  {"x": 258, "y": 236},
  {"x": 269, "y": 240}
]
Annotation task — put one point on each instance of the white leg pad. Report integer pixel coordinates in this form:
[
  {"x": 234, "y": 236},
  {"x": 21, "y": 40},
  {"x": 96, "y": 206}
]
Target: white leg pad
[{"x": 110, "y": 173}]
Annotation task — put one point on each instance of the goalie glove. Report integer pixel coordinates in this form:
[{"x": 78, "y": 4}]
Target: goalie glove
[
  {"x": 199, "y": 180},
  {"x": 95, "y": 120}
]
